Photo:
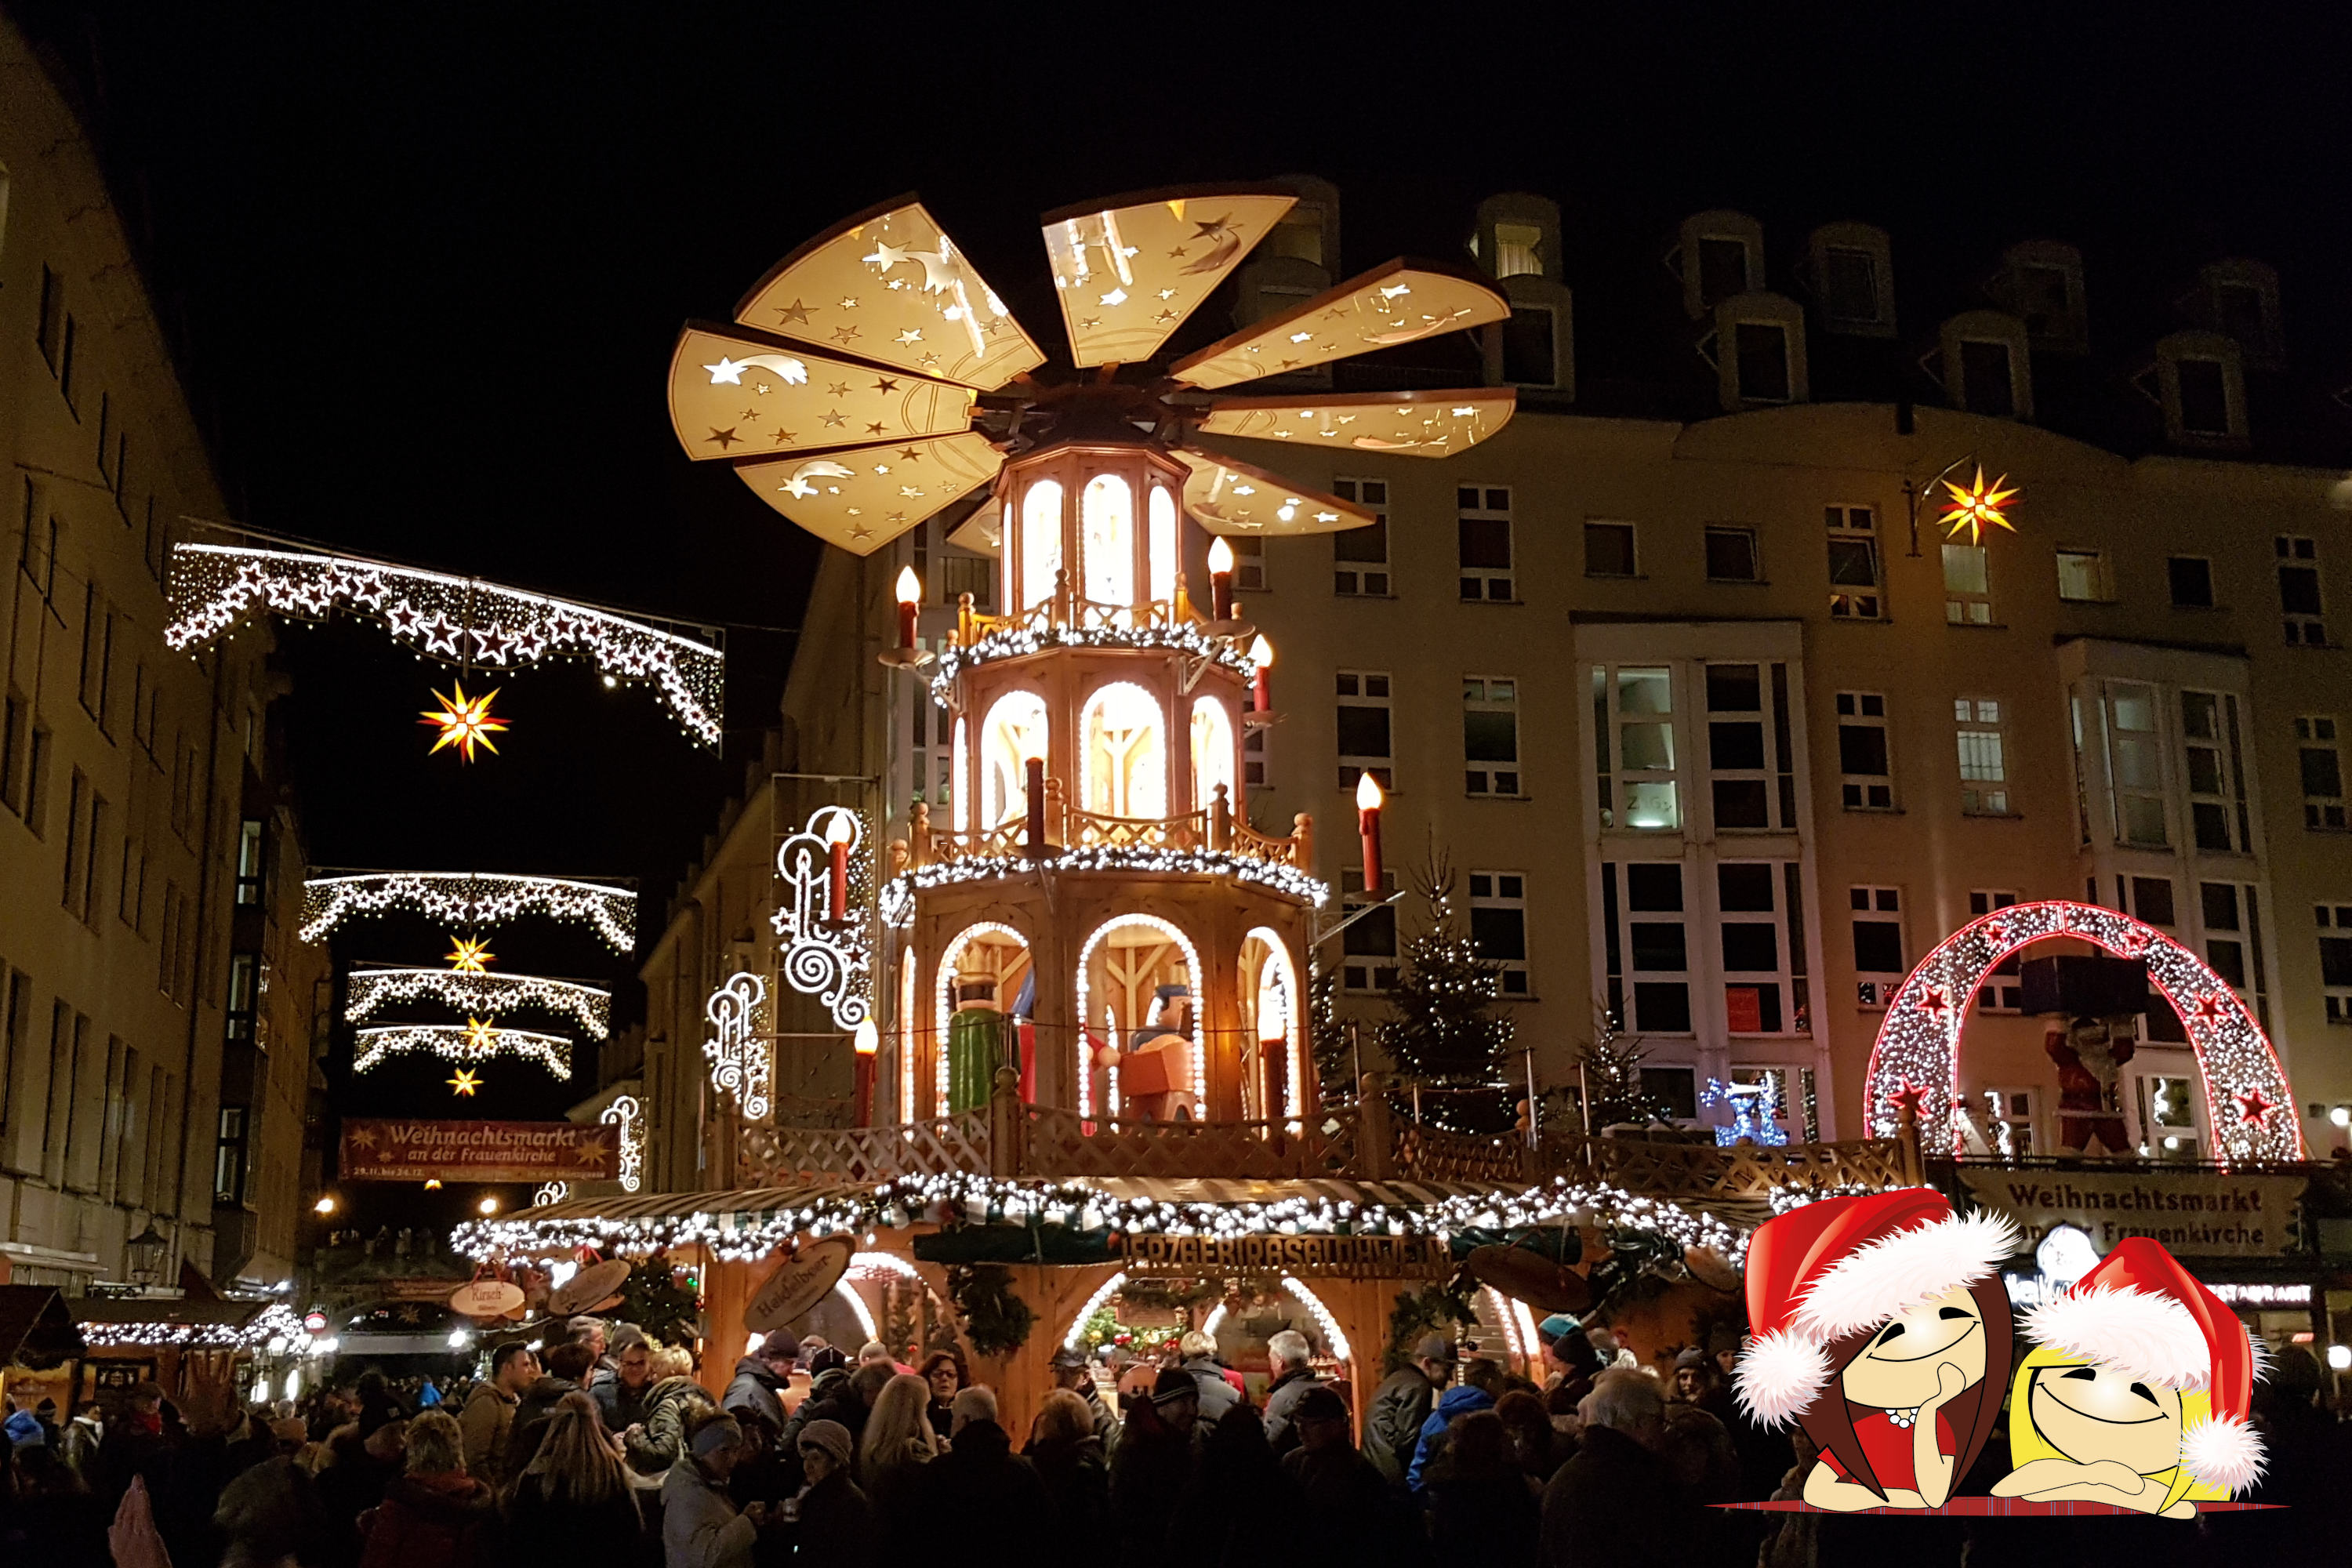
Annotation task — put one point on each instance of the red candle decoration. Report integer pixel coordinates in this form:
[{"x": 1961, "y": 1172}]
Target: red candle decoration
[
  {"x": 1368, "y": 824},
  {"x": 1033, "y": 784},
  {"x": 863, "y": 1045},
  {"x": 1220, "y": 581},
  {"x": 910, "y": 598},
  {"x": 1262, "y": 656},
  {"x": 836, "y": 881}
]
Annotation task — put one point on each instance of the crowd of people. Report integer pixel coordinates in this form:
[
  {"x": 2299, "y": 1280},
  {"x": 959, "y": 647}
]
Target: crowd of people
[{"x": 599, "y": 1447}]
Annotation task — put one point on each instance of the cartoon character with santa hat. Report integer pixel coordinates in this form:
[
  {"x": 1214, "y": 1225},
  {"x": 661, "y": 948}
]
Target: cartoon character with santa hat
[
  {"x": 2135, "y": 1393},
  {"x": 1882, "y": 1327}
]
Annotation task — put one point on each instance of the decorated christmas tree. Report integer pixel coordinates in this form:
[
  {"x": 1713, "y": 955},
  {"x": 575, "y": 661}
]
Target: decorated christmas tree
[
  {"x": 1327, "y": 1038},
  {"x": 1442, "y": 1031},
  {"x": 1610, "y": 1065}
]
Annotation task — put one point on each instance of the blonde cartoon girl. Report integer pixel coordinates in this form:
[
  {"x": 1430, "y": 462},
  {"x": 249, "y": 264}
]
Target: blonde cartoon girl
[
  {"x": 2135, "y": 1393},
  {"x": 1881, "y": 1326}
]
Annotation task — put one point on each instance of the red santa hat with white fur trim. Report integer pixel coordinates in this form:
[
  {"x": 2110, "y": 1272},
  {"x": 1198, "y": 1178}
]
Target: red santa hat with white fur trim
[
  {"x": 2140, "y": 1312},
  {"x": 1819, "y": 1273}
]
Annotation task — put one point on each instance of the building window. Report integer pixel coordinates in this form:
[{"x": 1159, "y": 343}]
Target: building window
[
  {"x": 1531, "y": 346},
  {"x": 1724, "y": 268},
  {"x": 1849, "y": 285},
  {"x": 1968, "y": 588},
  {"x": 2298, "y": 581},
  {"x": 1763, "y": 362},
  {"x": 1864, "y": 753},
  {"x": 2323, "y": 773},
  {"x": 1485, "y": 526},
  {"x": 2193, "y": 582},
  {"x": 1490, "y": 735},
  {"x": 1498, "y": 926},
  {"x": 2204, "y": 397},
  {"x": 2136, "y": 758},
  {"x": 228, "y": 1158},
  {"x": 1749, "y": 751},
  {"x": 1518, "y": 251},
  {"x": 1367, "y": 947},
  {"x": 1647, "y": 946},
  {"x": 974, "y": 574},
  {"x": 16, "y": 750},
  {"x": 1249, "y": 563},
  {"x": 1360, "y": 556},
  {"x": 2082, "y": 576},
  {"x": 2233, "y": 911},
  {"x": 249, "y": 856},
  {"x": 97, "y": 656},
  {"x": 1762, "y": 935},
  {"x": 1257, "y": 759},
  {"x": 1878, "y": 962},
  {"x": 1984, "y": 767},
  {"x": 2043, "y": 284},
  {"x": 2217, "y": 816},
  {"x": 244, "y": 987},
  {"x": 132, "y": 905},
  {"x": 2336, "y": 959},
  {"x": 1609, "y": 550},
  {"x": 1987, "y": 381},
  {"x": 75, "y": 894},
  {"x": 1853, "y": 563},
  {"x": 1731, "y": 554},
  {"x": 2002, "y": 992},
  {"x": 1364, "y": 713},
  {"x": 1637, "y": 782},
  {"x": 49, "y": 328}
]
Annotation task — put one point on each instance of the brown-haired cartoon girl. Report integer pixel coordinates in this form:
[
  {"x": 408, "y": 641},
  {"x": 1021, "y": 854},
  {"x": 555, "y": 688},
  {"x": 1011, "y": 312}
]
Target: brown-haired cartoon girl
[{"x": 1882, "y": 1327}]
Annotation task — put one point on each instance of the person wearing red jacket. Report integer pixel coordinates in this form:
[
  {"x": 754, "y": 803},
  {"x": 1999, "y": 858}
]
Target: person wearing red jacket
[{"x": 2089, "y": 1059}]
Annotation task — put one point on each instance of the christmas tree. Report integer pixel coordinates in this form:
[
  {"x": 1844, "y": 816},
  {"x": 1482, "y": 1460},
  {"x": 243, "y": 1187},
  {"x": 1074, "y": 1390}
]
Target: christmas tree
[
  {"x": 1443, "y": 1031},
  {"x": 1611, "y": 1070},
  {"x": 1326, "y": 1039}
]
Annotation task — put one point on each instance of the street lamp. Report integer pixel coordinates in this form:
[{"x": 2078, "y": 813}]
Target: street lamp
[
  {"x": 146, "y": 1251},
  {"x": 487, "y": 1206},
  {"x": 326, "y": 1205}
]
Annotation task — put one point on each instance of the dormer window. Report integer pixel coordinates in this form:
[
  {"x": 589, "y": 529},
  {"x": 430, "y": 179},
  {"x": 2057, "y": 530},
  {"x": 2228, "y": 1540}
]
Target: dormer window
[
  {"x": 1983, "y": 363},
  {"x": 1852, "y": 279},
  {"x": 1517, "y": 240},
  {"x": 2041, "y": 281},
  {"x": 1531, "y": 346},
  {"x": 2242, "y": 302},
  {"x": 2199, "y": 379},
  {"x": 1757, "y": 347},
  {"x": 1518, "y": 251},
  {"x": 1718, "y": 255}
]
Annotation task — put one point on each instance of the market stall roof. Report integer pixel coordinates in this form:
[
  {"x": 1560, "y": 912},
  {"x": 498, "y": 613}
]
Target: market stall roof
[
  {"x": 205, "y": 1322},
  {"x": 35, "y": 1326}
]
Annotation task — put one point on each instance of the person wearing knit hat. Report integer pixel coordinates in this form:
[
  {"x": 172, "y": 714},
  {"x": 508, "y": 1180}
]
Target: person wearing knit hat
[
  {"x": 2135, "y": 1392},
  {"x": 1882, "y": 1327}
]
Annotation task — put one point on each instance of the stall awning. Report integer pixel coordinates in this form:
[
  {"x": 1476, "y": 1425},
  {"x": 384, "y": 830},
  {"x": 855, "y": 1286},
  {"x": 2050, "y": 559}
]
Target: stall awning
[{"x": 36, "y": 1327}]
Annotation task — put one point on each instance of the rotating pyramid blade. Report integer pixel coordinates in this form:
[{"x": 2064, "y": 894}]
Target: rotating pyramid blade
[
  {"x": 862, "y": 498},
  {"x": 1401, "y": 302},
  {"x": 1228, "y": 496},
  {"x": 733, "y": 396},
  {"x": 888, "y": 285},
  {"x": 1128, "y": 270},
  {"x": 1414, "y": 423}
]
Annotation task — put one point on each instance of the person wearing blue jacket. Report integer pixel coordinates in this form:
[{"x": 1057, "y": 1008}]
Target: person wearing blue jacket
[{"x": 1475, "y": 1391}]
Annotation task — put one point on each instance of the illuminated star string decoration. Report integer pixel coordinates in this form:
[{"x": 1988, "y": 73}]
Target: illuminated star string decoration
[
  {"x": 481, "y": 1035},
  {"x": 468, "y": 954},
  {"x": 465, "y": 1082},
  {"x": 1978, "y": 505},
  {"x": 465, "y": 721}
]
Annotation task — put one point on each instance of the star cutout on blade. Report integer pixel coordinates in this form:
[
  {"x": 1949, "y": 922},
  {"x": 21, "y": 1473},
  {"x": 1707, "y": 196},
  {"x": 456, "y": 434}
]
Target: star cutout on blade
[
  {"x": 886, "y": 385},
  {"x": 465, "y": 721},
  {"x": 845, "y": 334},
  {"x": 850, "y": 303},
  {"x": 725, "y": 439},
  {"x": 833, "y": 417},
  {"x": 2253, "y": 1106},
  {"x": 874, "y": 429},
  {"x": 838, "y": 389},
  {"x": 1177, "y": 254},
  {"x": 468, "y": 954},
  {"x": 911, "y": 335},
  {"x": 725, "y": 373},
  {"x": 910, "y": 454},
  {"x": 795, "y": 311},
  {"x": 912, "y": 492},
  {"x": 859, "y": 530},
  {"x": 465, "y": 1082},
  {"x": 928, "y": 362},
  {"x": 750, "y": 416},
  {"x": 886, "y": 256},
  {"x": 785, "y": 437}
]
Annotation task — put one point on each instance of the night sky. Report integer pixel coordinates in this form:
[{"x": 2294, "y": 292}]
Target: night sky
[{"x": 424, "y": 264}]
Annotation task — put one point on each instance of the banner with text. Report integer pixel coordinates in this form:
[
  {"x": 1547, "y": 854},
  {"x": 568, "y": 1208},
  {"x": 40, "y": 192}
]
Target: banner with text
[
  {"x": 2193, "y": 1213},
  {"x": 403, "y": 1148}
]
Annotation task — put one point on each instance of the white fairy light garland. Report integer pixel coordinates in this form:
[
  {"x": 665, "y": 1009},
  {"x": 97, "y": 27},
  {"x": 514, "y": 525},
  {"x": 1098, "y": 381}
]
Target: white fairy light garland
[
  {"x": 1018, "y": 642},
  {"x": 457, "y": 620},
  {"x": 470, "y": 898},
  {"x": 628, "y": 1116},
  {"x": 959, "y": 1198},
  {"x": 372, "y": 990},
  {"x": 276, "y": 1322},
  {"x": 897, "y": 895},
  {"x": 460, "y": 1043}
]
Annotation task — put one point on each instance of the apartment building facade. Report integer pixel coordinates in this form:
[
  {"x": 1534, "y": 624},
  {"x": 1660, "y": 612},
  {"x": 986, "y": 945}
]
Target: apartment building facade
[{"x": 155, "y": 1014}]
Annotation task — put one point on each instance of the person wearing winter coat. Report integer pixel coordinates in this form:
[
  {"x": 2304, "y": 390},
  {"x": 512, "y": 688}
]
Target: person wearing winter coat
[
  {"x": 487, "y": 1418},
  {"x": 568, "y": 1367},
  {"x": 1217, "y": 1392},
  {"x": 1348, "y": 1515},
  {"x": 671, "y": 1403},
  {"x": 1072, "y": 1375},
  {"x": 1483, "y": 1508},
  {"x": 433, "y": 1514},
  {"x": 700, "y": 1525},
  {"x": 622, "y": 1398},
  {"x": 1072, "y": 1466},
  {"x": 834, "y": 1524},
  {"x": 1241, "y": 1509},
  {"x": 572, "y": 1504},
  {"x": 1452, "y": 1405},
  {"x": 1401, "y": 1405},
  {"x": 980, "y": 1476},
  {"x": 1614, "y": 1504},
  {"x": 1288, "y": 1356},
  {"x": 759, "y": 1381},
  {"x": 1152, "y": 1467}
]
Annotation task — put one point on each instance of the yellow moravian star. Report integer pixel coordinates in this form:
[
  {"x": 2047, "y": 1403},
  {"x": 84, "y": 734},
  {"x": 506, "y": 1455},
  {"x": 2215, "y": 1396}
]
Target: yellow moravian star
[
  {"x": 1977, "y": 507},
  {"x": 465, "y": 1083},
  {"x": 465, "y": 721},
  {"x": 468, "y": 954}
]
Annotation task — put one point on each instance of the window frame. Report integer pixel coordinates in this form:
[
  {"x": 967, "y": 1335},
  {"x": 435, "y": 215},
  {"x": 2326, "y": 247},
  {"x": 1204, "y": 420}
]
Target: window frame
[
  {"x": 1992, "y": 995},
  {"x": 1363, "y": 577},
  {"x": 1512, "y": 973},
  {"x": 1497, "y": 584},
  {"x": 1851, "y": 710},
  {"x": 1855, "y": 601},
  {"x": 1614, "y": 526},
  {"x": 1710, "y": 532},
  {"x": 2172, "y": 582},
  {"x": 2322, "y": 812},
  {"x": 2336, "y": 994},
  {"x": 1876, "y": 988},
  {"x": 2101, "y": 582},
  {"x": 2300, "y": 554},
  {"x": 1482, "y": 778},
  {"x": 1987, "y": 795},
  {"x": 1352, "y": 765},
  {"x": 1968, "y": 607}
]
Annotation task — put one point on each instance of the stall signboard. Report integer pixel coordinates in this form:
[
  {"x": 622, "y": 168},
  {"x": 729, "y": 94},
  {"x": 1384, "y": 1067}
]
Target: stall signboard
[
  {"x": 406, "y": 1149},
  {"x": 2193, "y": 1213}
]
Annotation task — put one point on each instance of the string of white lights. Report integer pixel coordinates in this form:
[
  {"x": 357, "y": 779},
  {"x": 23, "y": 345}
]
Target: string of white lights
[
  {"x": 274, "y": 1326},
  {"x": 469, "y": 898},
  {"x": 457, "y": 620},
  {"x": 960, "y": 1198},
  {"x": 370, "y": 990},
  {"x": 830, "y": 959},
  {"x": 1018, "y": 642},
  {"x": 898, "y": 902},
  {"x": 740, "y": 1063},
  {"x": 469, "y": 1042},
  {"x": 628, "y": 1116}
]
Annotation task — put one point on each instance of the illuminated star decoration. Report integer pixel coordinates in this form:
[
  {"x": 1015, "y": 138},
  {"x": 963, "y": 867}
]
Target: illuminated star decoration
[
  {"x": 2253, "y": 1106},
  {"x": 1977, "y": 507},
  {"x": 465, "y": 721},
  {"x": 468, "y": 954},
  {"x": 1911, "y": 1096},
  {"x": 481, "y": 1035},
  {"x": 465, "y": 1082}
]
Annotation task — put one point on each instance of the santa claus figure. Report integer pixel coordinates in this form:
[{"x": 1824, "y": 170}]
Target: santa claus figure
[
  {"x": 1155, "y": 1070},
  {"x": 2090, "y": 1059}
]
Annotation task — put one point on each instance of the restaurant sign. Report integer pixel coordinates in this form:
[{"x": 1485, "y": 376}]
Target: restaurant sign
[
  {"x": 406, "y": 1149},
  {"x": 2193, "y": 1213}
]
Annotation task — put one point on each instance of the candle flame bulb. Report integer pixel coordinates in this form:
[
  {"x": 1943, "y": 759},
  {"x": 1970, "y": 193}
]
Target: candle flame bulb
[
  {"x": 1221, "y": 555},
  {"x": 1262, "y": 653},
  {"x": 840, "y": 830},
  {"x": 867, "y": 1040},
  {"x": 911, "y": 588},
  {"x": 1368, "y": 793}
]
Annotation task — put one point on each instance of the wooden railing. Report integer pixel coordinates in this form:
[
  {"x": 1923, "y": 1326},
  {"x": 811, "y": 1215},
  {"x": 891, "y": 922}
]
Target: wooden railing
[
  {"x": 1066, "y": 825},
  {"x": 1091, "y": 830},
  {"x": 1365, "y": 1141},
  {"x": 1064, "y": 608}
]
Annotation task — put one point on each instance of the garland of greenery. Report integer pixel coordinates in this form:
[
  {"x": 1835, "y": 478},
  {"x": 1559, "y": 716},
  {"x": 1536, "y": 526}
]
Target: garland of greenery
[
  {"x": 1433, "y": 1309},
  {"x": 652, "y": 1299},
  {"x": 995, "y": 1319}
]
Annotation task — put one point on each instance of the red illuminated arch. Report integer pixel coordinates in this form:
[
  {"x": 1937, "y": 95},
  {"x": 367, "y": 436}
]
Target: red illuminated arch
[{"x": 2249, "y": 1103}]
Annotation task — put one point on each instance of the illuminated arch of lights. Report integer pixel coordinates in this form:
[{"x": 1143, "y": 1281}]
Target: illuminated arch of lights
[
  {"x": 370, "y": 990},
  {"x": 472, "y": 1041},
  {"x": 471, "y": 899}
]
